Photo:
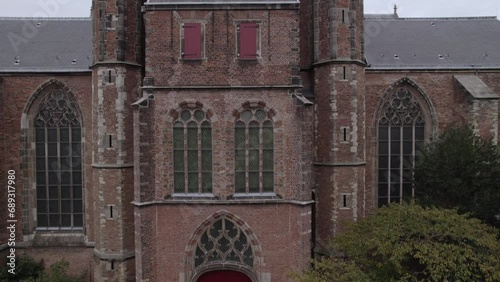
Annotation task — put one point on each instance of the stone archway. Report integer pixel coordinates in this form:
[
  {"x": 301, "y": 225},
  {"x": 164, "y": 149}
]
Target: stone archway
[
  {"x": 224, "y": 245},
  {"x": 224, "y": 276}
]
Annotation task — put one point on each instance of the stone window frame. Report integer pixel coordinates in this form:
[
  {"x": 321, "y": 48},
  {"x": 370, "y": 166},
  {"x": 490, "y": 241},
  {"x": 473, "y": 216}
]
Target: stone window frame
[
  {"x": 28, "y": 169},
  {"x": 192, "y": 273},
  {"x": 255, "y": 106},
  {"x": 203, "y": 51},
  {"x": 180, "y": 23},
  {"x": 429, "y": 117},
  {"x": 259, "y": 24},
  {"x": 174, "y": 115},
  {"x": 57, "y": 114}
]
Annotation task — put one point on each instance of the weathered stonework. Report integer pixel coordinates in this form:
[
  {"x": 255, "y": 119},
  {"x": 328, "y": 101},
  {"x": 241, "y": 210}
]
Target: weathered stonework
[{"x": 311, "y": 80}]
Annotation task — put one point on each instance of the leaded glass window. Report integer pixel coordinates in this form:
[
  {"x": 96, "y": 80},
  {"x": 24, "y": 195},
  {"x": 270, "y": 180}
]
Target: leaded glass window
[
  {"x": 401, "y": 132},
  {"x": 192, "y": 152},
  {"x": 58, "y": 149},
  {"x": 223, "y": 242},
  {"x": 254, "y": 152}
]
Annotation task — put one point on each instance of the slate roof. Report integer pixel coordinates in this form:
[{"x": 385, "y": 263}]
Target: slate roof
[
  {"x": 475, "y": 87},
  {"x": 65, "y": 44},
  {"x": 187, "y": 2},
  {"x": 45, "y": 44},
  {"x": 432, "y": 43}
]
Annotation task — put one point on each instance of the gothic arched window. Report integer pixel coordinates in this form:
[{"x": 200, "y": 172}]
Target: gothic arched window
[
  {"x": 401, "y": 132},
  {"x": 223, "y": 242},
  {"x": 192, "y": 152},
  {"x": 254, "y": 152},
  {"x": 58, "y": 137}
]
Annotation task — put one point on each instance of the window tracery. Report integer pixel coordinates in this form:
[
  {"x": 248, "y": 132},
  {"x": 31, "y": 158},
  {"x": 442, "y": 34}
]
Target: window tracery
[
  {"x": 401, "y": 132},
  {"x": 222, "y": 242},
  {"x": 58, "y": 153},
  {"x": 254, "y": 152},
  {"x": 192, "y": 136}
]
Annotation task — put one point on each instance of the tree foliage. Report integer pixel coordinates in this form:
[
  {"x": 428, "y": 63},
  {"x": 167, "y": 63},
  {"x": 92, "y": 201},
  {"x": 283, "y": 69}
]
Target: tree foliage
[
  {"x": 460, "y": 170},
  {"x": 58, "y": 273},
  {"x": 407, "y": 242},
  {"x": 332, "y": 269},
  {"x": 29, "y": 270}
]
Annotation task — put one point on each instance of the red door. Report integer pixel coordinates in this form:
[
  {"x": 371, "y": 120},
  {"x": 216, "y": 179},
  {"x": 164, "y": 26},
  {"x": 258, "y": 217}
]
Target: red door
[{"x": 224, "y": 276}]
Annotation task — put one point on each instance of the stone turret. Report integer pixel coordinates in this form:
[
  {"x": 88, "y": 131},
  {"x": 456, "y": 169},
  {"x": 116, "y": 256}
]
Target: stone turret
[
  {"x": 116, "y": 79},
  {"x": 338, "y": 77}
]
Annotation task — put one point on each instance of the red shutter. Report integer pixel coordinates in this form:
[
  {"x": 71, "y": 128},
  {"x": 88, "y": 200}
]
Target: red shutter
[
  {"x": 192, "y": 41},
  {"x": 248, "y": 40}
]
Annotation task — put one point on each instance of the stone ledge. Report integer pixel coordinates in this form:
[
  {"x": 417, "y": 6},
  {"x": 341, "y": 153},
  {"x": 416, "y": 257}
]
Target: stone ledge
[
  {"x": 253, "y": 201},
  {"x": 114, "y": 256}
]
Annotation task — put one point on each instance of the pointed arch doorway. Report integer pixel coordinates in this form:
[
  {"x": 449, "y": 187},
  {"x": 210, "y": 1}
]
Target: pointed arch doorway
[{"x": 224, "y": 276}]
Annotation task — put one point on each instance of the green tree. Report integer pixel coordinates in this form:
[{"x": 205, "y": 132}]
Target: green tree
[
  {"x": 58, "y": 273},
  {"x": 29, "y": 270},
  {"x": 407, "y": 242},
  {"x": 460, "y": 170}
]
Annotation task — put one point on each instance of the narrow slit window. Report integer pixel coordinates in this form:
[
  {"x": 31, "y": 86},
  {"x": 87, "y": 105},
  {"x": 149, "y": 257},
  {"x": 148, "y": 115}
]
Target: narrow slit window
[{"x": 344, "y": 134}]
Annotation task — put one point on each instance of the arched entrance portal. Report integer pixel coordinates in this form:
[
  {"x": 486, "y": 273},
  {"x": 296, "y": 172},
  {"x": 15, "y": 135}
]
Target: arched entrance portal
[{"x": 224, "y": 276}]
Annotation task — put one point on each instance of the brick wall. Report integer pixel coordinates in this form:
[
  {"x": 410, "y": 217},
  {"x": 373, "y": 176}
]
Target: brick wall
[
  {"x": 79, "y": 259},
  {"x": 450, "y": 105},
  {"x": 281, "y": 244},
  {"x": 279, "y": 40},
  {"x": 18, "y": 100}
]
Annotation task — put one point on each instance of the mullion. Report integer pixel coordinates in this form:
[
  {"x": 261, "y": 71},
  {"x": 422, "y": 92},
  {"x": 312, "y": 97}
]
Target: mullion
[
  {"x": 70, "y": 185},
  {"x": 45, "y": 141},
  {"x": 254, "y": 151},
  {"x": 247, "y": 158},
  {"x": 200, "y": 179},
  {"x": 206, "y": 152},
  {"x": 59, "y": 176},
  {"x": 401, "y": 162},
  {"x": 261, "y": 165},
  {"x": 71, "y": 166},
  {"x": 389, "y": 169},
  {"x": 186, "y": 160},
  {"x": 413, "y": 154}
]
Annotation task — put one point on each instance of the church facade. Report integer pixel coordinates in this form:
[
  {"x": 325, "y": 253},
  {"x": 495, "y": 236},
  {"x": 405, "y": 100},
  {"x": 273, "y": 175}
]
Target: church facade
[{"x": 224, "y": 140}]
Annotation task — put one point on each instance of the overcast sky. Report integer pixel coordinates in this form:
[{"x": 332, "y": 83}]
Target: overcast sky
[{"x": 407, "y": 8}]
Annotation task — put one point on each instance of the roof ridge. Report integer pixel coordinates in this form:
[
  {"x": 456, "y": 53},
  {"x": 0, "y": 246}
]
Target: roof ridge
[
  {"x": 450, "y": 18},
  {"x": 387, "y": 17},
  {"x": 46, "y": 18}
]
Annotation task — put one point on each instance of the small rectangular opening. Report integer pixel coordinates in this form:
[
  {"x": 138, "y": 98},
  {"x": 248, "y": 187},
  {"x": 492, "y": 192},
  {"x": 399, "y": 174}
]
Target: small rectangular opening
[
  {"x": 343, "y": 16},
  {"x": 344, "y": 73},
  {"x": 112, "y": 265},
  {"x": 345, "y": 201},
  {"x": 109, "y": 76},
  {"x": 344, "y": 134},
  {"x": 110, "y": 141},
  {"x": 110, "y": 211}
]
